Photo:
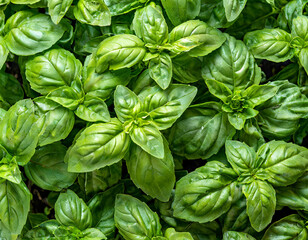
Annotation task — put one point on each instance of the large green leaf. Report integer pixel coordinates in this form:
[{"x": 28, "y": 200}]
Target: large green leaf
[
  {"x": 300, "y": 27},
  {"x": 99, "y": 145},
  {"x": 70, "y": 210},
  {"x": 120, "y": 51},
  {"x": 291, "y": 227},
  {"x": 14, "y": 205},
  {"x": 152, "y": 175},
  {"x": 93, "y": 12},
  {"x": 28, "y": 33},
  {"x": 204, "y": 194},
  {"x": 53, "y": 69},
  {"x": 233, "y": 65},
  {"x": 261, "y": 203},
  {"x": 166, "y": 106},
  {"x": 48, "y": 170},
  {"x": 283, "y": 162},
  {"x": 134, "y": 219},
  {"x": 58, "y": 8},
  {"x": 270, "y": 44},
  {"x": 233, "y": 8}
]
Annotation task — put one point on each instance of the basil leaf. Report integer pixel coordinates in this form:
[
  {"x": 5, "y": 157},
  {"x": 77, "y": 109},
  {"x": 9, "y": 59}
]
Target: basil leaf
[
  {"x": 204, "y": 194},
  {"x": 93, "y": 109},
  {"x": 149, "y": 139},
  {"x": 233, "y": 8},
  {"x": 179, "y": 11},
  {"x": 284, "y": 162},
  {"x": 166, "y": 106},
  {"x": 270, "y": 44},
  {"x": 9, "y": 168},
  {"x": 53, "y": 69},
  {"x": 261, "y": 203},
  {"x": 99, "y": 145},
  {"x": 4, "y": 52},
  {"x": 149, "y": 25},
  {"x": 57, "y": 121},
  {"x": 48, "y": 170},
  {"x": 100, "y": 179},
  {"x": 43, "y": 230},
  {"x": 161, "y": 70},
  {"x": 134, "y": 219},
  {"x": 24, "y": 1},
  {"x": 70, "y": 210},
  {"x": 258, "y": 94},
  {"x": 152, "y": 175},
  {"x": 120, "y": 51},
  {"x": 232, "y": 65},
  {"x": 10, "y": 89},
  {"x": 58, "y": 8},
  {"x": 196, "y": 38},
  {"x": 19, "y": 131},
  {"x": 171, "y": 234},
  {"x": 218, "y": 89},
  {"x": 231, "y": 235},
  {"x": 126, "y": 104},
  {"x": 303, "y": 55},
  {"x": 93, "y": 12},
  {"x": 28, "y": 33},
  {"x": 118, "y": 7},
  {"x": 102, "y": 208},
  {"x": 300, "y": 27},
  {"x": 14, "y": 205},
  {"x": 290, "y": 227},
  {"x": 93, "y": 233}
]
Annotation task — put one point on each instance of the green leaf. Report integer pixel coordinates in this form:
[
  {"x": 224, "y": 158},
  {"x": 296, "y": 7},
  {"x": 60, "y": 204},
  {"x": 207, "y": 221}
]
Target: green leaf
[
  {"x": 14, "y": 205},
  {"x": 19, "y": 131},
  {"x": 161, "y": 70},
  {"x": 149, "y": 25},
  {"x": 204, "y": 194},
  {"x": 231, "y": 235},
  {"x": 24, "y": 1},
  {"x": 120, "y": 51},
  {"x": 43, "y": 230},
  {"x": 53, "y": 69},
  {"x": 93, "y": 234},
  {"x": 70, "y": 210},
  {"x": 149, "y": 139},
  {"x": 93, "y": 12},
  {"x": 28, "y": 33},
  {"x": 218, "y": 89},
  {"x": 102, "y": 208},
  {"x": 303, "y": 56},
  {"x": 283, "y": 162},
  {"x": 200, "y": 132},
  {"x": 258, "y": 94},
  {"x": 166, "y": 106},
  {"x": 126, "y": 103},
  {"x": 58, "y": 8},
  {"x": 171, "y": 234},
  {"x": 10, "y": 89},
  {"x": 290, "y": 227},
  {"x": 57, "y": 121},
  {"x": 118, "y": 7},
  {"x": 180, "y": 11},
  {"x": 4, "y": 52},
  {"x": 232, "y": 65},
  {"x": 270, "y": 44},
  {"x": 9, "y": 168},
  {"x": 238, "y": 119},
  {"x": 93, "y": 109},
  {"x": 99, "y": 145},
  {"x": 233, "y": 8},
  {"x": 241, "y": 157},
  {"x": 300, "y": 27},
  {"x": 48, "y": 170},
  {"x": 152, "y": 175},
  {"x": 134, "y": 219},
  {"x": 196, "y": 38},
  {"x": 261, "y": 203},
  {"x": 294, "y": 196},
  {"x": 100, "y": 179},
  {"x": 66, "y": 97}
]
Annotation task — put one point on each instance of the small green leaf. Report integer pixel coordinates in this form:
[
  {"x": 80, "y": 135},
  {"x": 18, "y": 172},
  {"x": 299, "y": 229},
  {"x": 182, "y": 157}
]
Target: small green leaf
[
  {"x": 58, "y": 8},
  {"x": 218, "y": 89},
  {"x": 233, "y": 8},
  {"x": 66, "y": 97},
  {"x": 231, "y": 235},
  {"x": 4, "y": 52},
  {"x": 161, "y": 70},
  {"x": 303, "y": 56},
  {"x": 258, "y": 94}
]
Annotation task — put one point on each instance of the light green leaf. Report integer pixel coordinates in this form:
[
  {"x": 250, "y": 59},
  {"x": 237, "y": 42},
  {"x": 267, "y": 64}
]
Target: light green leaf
[
  {"x": 218, "y": 89},
  {"x": 24, "y": 1},
  {"x": 48, "y": 170},
  {"x": 43, "y": 230},
  {"x": 120, "y": 51},
  {"x": 152, "y": 175},
  {"x": 70, "y": 210},
  {"x": 93, "y": 234},
  {"x": 270, "y": 44},
  {"x": 4, "y": 52},
  {"x": 161, "y": 70},
  {"x": 171, "y": 234},
  {"x": 28, "y": 33},
  {"x": 303, "y": 58},
  {"x": 9, "y": 168},
  {"x": 300, "y": 27},
  {"x": 14, "y": 205},
  {"x": 204, "y": 194},
  {"x": 231, "y": 235},
  {"x": 196, "y": 38},
  {"x": 233, "y": 8},
  {"x": 93, "y": 12},
  {"x": 261, "y": 203},
  {"x": 134, "y": 219},
  {"x": 118, "y": 7},
  {"x": 58, "y": 8},
  {"x": 99, "y": 145},
  {"x": 258, "y": 94},
  {"x": 232, "y": 65}
]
